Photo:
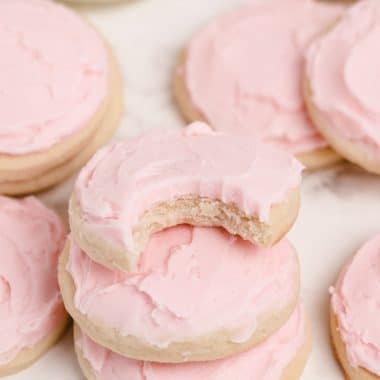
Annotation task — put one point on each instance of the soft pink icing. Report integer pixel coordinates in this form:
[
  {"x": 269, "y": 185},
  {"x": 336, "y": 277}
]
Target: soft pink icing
[
  {"x": 356, "y": 304},
  {"x": 191, "y": 282},
  {"x": 343, "y": 71},
  {"x": 244, "y": 70},
  {"x": 264, "y": 362},
  {"x": 31, "y": 238},
  {"x": 127, "y": 178},
  {"x": 53, "y": 74}
]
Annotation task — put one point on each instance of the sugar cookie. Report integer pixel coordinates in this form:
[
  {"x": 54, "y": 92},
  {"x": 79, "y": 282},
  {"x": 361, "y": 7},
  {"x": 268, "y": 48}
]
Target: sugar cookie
[
  {"x": 57, "y": 87},
  {"x": 243, "y": 74},
  {"x": 281, "y": 357},
  {"x": 199, "y": 294},
  {"x": 31, "y": 308},
  {"x": 342, "y": 86},
  {"x": 133, "y": 188},
  {"x": 59, "y": 173},
  {"x": 354, "y": 314}
]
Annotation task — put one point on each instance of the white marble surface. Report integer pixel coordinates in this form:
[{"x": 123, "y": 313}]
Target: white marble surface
[{"x": 340, "y": 206}]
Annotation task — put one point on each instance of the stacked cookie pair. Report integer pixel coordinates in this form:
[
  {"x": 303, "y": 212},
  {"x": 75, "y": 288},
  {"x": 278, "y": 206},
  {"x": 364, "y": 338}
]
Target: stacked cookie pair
[
  {"x": 176, "y": 266},
  {"x": 61, "y": 94}
]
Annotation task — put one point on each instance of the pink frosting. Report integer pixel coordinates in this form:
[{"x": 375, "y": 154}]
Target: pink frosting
[
  {"x": 53, "y": 74},
  {"x": 343, "y": 69},
  {"x": 356, "y": 304},
  {"x": 127, "y": 178},
  {"x": 31, "y": 238},
  {"x": 191, "y": 282},
  {"x": 265, "y": 362},
  {"x": 244, "y": 70}
]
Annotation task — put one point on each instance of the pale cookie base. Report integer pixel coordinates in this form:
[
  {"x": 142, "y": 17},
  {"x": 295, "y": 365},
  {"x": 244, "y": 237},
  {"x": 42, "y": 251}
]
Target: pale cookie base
[
  {"x": 354, "y": 151},
  {"x": 351, "y": 373},
  {"x": 313, "y": 160},
  {"x": 211, "y": 347},
  {"x": 194, "y": 210},
  {"x": 25, "y": 167},
  {"x": 28, "y": 356},
  {"x": 63, "y": 171},
  {"x": 292, "y": 372}
]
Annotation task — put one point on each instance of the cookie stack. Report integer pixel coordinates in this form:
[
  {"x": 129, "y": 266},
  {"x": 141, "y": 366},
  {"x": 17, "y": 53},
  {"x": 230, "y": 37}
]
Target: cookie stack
[
  {"x": 177, "y": 255},
  {"x": 60, "y": 94}
]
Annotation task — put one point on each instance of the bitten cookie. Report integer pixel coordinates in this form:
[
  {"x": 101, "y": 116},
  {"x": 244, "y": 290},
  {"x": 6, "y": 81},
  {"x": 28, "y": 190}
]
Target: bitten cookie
[
  {"x": 355, "y": 304},
  {"x": 198, "y": 294},
  {"x": 281, "y": 357},
  {"x": 133, "y": 188},
  {"x": 31, "y": 309},
  {"x": 342, "y": 85},
  {"x": 243, "y": 74},
  {"x": 60, "y": 88}
]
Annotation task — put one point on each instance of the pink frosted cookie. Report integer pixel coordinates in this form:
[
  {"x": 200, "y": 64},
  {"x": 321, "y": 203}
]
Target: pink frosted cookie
[
  {"x": 355, "y": 313},
  {"x": 198, "y": 294},
  {"x": 133, "y": 188},
  {"x": 342, "y": 85},
  {"x": 60, "y": 88},
  {"x": 243, "y": 73},
  {"x": 32, "y": 316},
  {"x": 281, "y": 357}
]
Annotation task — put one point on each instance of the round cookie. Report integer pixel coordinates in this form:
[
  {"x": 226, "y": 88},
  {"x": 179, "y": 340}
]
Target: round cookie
[
  {"x": 164, "y": 178},
  {"x": 281, "y": 357},
  {"x": 59, "y": 173},
  {"x": 342, "y": 85},
  {"x": 57, "y": 87},
  {"x": 355, "y": 304},
  {"x": 199, "y": 294},
  {"x": 222, "y": 76},
  {"x": 31, "y": 309}
]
